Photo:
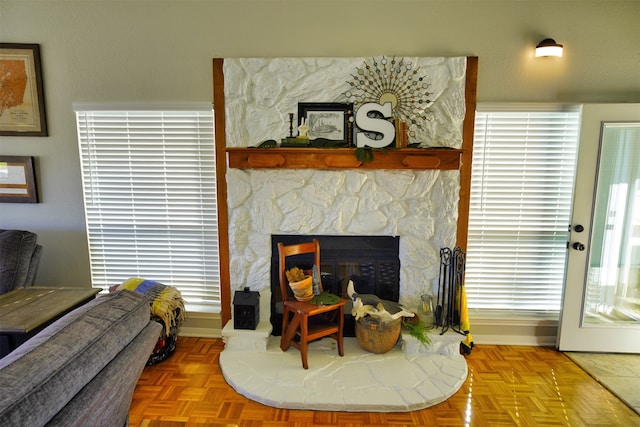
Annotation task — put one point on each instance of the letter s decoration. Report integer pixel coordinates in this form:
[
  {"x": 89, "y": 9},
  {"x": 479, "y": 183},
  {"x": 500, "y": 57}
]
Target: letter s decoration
[{"x": 373, "y": 124}]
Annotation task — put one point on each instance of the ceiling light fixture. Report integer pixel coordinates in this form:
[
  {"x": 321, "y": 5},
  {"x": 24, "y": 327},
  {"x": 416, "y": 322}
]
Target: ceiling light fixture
[{"x": 548, "y": 47}]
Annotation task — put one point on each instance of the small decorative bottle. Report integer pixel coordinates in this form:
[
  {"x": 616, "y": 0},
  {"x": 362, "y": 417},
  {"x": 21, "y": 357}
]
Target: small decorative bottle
[
  {"x": 315, "y": 274},
  {"x": 427, "y": 310}
]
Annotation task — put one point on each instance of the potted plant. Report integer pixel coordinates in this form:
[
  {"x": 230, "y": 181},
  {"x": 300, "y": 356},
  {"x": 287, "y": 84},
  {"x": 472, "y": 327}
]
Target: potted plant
[{"x": 300, "y": 283}]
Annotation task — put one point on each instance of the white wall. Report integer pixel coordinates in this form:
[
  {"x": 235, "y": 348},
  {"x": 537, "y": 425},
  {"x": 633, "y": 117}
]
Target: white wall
[{"x": 147, "y": 51}]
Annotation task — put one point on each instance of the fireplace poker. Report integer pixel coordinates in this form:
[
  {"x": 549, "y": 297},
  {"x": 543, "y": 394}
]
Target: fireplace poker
[
  {"x": 458, "y": 266},
  {"x": 444, "y": 255},
  {"x": 451, "y": 288}
]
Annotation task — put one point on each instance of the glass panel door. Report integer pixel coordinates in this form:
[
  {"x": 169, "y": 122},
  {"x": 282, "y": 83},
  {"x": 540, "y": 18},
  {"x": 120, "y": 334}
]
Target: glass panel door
[
  {"x": 601, "y": 300},
  {"x": 613, "y": 277}
]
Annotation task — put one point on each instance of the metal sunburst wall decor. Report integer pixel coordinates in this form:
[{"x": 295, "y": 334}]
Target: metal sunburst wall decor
[{"x": 381, "y": 80}]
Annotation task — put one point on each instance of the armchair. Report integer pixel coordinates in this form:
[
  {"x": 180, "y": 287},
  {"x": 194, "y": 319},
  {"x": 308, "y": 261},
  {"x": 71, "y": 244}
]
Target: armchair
[{"x": 19, "y": 259}]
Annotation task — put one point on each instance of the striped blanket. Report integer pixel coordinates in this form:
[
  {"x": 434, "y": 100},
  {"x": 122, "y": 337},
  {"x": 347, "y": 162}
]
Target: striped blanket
[{"x": 163, "y": 299}]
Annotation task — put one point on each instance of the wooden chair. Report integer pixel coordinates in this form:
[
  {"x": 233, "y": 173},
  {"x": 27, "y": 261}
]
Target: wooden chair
[{"x": 303, "y": 322}]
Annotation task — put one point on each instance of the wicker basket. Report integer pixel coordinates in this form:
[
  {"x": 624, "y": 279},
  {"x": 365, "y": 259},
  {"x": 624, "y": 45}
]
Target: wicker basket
[{"x": 377, "y": 337}]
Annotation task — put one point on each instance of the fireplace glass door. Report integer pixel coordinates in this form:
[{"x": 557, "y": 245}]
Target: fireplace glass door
[{"x": 372, "y": 262}]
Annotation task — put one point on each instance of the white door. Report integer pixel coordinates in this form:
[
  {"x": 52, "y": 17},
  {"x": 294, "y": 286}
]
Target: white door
[{"x": 601, "y": 302}]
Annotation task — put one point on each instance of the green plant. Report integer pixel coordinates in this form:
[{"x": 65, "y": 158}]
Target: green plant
[
  {"x": 365, "y": 154},
  {"x": 325, "y": 298},
  {"x": 418, "y": 330}
]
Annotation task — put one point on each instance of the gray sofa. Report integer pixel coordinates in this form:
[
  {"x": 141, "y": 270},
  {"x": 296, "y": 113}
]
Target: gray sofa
[
  {"x": 82, "y": 369},
  {"x": 19, "y": 259}
]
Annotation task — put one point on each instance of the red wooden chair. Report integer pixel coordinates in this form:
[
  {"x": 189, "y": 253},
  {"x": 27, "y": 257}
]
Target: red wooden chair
[{"x": 304, "y": 322}]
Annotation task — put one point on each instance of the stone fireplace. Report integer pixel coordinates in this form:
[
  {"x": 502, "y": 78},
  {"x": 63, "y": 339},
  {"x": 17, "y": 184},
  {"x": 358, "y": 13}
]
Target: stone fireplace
[
  {"x": 418, "y": 206},
  {"x": 413, "y": 198}
]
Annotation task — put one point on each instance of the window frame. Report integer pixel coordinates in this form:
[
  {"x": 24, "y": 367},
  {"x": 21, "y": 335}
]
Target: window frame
[
  {"x": 186, "y": 184},
  {"x": 483, "y": 309}
]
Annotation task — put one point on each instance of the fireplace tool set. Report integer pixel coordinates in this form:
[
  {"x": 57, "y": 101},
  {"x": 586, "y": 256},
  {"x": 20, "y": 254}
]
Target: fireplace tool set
[{"x": 451, "y": 305}]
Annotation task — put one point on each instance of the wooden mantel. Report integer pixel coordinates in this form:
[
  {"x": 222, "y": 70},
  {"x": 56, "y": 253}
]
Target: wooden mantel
[{"x": 343, "y": 158}]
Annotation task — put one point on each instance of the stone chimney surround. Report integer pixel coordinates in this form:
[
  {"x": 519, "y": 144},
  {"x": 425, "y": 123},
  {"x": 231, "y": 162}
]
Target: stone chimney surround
[{"x": 420, "y": 206}]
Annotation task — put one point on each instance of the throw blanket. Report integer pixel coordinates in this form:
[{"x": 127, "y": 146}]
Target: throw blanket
[{"x": 163, "y": 299}]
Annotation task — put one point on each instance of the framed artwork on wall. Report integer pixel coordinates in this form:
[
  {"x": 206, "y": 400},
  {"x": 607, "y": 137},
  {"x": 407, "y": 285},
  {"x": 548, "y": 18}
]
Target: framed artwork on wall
[
  {"x": 17, "y": 180},
  {"x": 327, "y": 120},
  {"x": 22, "y": 111}
]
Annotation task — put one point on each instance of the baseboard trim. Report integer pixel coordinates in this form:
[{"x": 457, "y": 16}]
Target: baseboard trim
[
  {"x": 515, "y": 330},
  {"x": 543, "y": 341},
  {"x": 530, "y": 332},
  {"x": 200, "y": 332},
  {"x": 201, "y": 325}
]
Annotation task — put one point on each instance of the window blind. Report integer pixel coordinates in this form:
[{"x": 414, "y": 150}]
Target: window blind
[
  {"x": 521, "y": 198},
  {"x": 149, "y": 187}
]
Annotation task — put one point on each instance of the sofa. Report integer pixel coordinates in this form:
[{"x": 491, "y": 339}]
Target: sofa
[
  {"x": 19, "y": 259},
  {"x": 82, "y": 369}
]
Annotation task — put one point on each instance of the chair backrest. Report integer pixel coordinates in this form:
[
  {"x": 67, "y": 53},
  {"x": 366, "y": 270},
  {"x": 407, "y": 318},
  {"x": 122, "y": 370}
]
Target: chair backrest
[
  {"x": 312, "y": 247},
  {"x": 19, "y": 259}
]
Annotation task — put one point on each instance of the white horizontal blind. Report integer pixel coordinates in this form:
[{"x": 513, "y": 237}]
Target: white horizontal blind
[
  {"x": 521, "y": 197},
  {"x": 150, "y": 197}
]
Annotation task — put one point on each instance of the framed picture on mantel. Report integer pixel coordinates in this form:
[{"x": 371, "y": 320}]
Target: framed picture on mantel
[
  {"x": 22, "y": 111},
  {"x": 328, "y": 121}
]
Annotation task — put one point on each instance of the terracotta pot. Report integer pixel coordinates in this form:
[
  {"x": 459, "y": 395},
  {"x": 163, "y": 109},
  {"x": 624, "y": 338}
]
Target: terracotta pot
[{"x": 302, "y": 290}]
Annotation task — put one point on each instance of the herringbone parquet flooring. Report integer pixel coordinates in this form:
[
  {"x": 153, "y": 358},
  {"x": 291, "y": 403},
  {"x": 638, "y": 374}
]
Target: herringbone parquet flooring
[{"x": 507, "y": 386}]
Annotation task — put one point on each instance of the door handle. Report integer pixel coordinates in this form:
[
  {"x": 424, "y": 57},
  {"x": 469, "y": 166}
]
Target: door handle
[{"x": 578, "y": 246}]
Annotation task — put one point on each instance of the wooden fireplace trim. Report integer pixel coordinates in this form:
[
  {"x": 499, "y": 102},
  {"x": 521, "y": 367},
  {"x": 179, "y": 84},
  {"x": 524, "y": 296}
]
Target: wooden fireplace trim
[{"x": 343, "y": 158}]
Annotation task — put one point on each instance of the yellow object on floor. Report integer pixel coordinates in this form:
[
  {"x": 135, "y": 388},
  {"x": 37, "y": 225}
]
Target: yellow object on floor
[{"x": 465, "y": 326}]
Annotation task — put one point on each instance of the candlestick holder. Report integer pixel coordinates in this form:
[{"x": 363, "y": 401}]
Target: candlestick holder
[{"x": 290, "y": 125}]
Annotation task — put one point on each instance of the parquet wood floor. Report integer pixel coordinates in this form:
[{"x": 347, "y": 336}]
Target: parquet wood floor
[{"x": 507, "y": 386}]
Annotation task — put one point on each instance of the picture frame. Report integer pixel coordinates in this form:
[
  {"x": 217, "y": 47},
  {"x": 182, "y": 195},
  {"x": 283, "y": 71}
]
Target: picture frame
[
  {"x": 22, "y": 108},
  {"x": 331, "y": 121},
  {"x": 17, "y": 180}
]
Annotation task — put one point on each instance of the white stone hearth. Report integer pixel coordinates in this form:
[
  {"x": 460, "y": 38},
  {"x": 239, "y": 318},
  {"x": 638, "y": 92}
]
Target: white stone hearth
[{"x": 407, "y": 378}]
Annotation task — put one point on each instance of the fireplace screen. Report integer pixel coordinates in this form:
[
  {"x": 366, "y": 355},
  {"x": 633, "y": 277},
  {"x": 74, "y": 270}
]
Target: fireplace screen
[{"x": 372, "y": 262}]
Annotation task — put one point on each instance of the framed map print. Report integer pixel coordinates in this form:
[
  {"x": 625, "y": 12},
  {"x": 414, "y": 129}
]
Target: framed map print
[{"x": 22, "y": 110}]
